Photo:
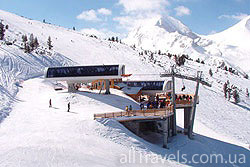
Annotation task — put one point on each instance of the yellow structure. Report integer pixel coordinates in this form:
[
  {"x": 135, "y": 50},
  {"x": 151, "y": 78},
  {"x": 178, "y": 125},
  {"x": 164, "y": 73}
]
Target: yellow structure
[{"x": 101, "y": 84}]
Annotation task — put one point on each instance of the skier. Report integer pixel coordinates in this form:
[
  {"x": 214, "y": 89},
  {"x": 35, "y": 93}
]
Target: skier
[
  {"x": 68, "y": 106},
  {"x": 247, "y": 93},
  {"x": 50, "y": 103}
]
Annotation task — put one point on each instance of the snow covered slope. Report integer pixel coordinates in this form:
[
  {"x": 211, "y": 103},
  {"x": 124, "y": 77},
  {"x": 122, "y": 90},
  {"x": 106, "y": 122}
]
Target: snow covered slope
[
  {"x": 238, "y": 35},
  {"x": 70, "y": 47},
  {"x": 171, "y": 36}
]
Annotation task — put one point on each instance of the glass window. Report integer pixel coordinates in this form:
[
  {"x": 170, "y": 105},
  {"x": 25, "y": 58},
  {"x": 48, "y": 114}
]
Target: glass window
[{"x": 82, "y": 71}]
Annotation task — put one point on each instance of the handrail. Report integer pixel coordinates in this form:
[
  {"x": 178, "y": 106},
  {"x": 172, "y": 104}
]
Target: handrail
[{"x": 163, "y": 112}]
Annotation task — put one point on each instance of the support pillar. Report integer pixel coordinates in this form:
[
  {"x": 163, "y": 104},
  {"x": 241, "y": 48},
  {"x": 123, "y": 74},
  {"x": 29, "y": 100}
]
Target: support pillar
[
  {"x": 174, "y": 103},
  {"x": 71, "y": 87},
  {"x": 107, "y": 86},
  {"x": 170, "y": 126},
  {"x": 187, "y": 111},
  {"x": 165, "y": 133},
  {"x": 192, "y": 114}
]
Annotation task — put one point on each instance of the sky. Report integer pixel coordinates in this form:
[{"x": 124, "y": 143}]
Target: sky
[{"x": 117, "y": 17}]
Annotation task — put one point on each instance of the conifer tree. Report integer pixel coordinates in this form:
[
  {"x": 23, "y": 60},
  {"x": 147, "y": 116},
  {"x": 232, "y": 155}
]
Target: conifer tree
[
  {"x": 49, "y": 42},
  {"x": 31, "y": 42},
  {"x": 210, "y": 72},
  {"x": 36, "y": 44},
  {"x": 24, "y": 38},
  {"x": 2, "y": 31}
]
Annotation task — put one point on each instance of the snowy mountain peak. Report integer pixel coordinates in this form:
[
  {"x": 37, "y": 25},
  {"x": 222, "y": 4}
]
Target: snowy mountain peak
[
  {"x": 171, "y": 24},
  {"x": 237, "y": 35}
]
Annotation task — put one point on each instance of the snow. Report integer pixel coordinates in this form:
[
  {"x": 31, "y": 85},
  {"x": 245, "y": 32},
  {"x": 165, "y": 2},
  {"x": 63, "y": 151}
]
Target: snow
[
  {"x": 35, "y": 135},
  {"x": 238, "y": 35},
  {"x": 171, "y": 36}
]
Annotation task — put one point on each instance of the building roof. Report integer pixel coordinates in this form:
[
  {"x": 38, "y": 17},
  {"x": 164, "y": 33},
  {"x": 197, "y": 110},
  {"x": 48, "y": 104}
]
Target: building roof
[{"x": 131, "y": 90}]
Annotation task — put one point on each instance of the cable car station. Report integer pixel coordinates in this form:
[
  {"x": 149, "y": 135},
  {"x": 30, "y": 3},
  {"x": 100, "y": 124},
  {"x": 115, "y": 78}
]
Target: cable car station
[{"x": 159, "y": 96}]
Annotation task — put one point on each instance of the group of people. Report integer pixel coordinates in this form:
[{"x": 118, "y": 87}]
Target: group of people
[
  {"x": 50, "y": 105},
  {"x": 162, "y": 103},
  {"x": 231, "y": 91},
  {"x": 179, "y": 97}
]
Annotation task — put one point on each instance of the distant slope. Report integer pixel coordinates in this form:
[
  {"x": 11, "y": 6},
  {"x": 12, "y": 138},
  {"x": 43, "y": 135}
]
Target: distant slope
[
  {"x": 170, "y": 35},
  {"x": 237, "y": 35},
  {"x": 69, "y": 48}
]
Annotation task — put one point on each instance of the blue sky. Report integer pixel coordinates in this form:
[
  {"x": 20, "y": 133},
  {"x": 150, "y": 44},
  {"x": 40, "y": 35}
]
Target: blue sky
[{"x": 117, "y": 17}]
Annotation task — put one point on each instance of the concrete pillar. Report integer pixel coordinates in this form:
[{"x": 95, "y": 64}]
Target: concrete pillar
[
  {"x": 187, "y": 111},
  {"x": 71, "y": 87},
  {"x": 169, "y": 127},
  {"x": 192, "y": 113},
  {"x": 107, "y": 86},
  {"x": 165, "y": 133},
  {"x": 174, "y": 103}
]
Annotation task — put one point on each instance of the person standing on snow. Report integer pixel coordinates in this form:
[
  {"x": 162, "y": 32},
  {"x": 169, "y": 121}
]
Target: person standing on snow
[
  {"x": 68, "y": 106},
  {"x": 50, "y": 103}
]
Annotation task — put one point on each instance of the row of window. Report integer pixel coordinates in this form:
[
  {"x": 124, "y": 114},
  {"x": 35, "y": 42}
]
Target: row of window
[
  {"x": 147, "y": 85},
  {"x": 82, "y": 71}
]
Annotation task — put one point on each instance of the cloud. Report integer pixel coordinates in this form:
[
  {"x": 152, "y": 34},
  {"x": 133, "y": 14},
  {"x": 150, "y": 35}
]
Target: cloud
[
  {"x": 238, "y": 16},
  {"x": 142, "y": 5},
  {"x": 128, "y": 22},
  {"x": 92, "y": 15},
  {"x": 104, "y": 11},
  {"x": 137, "y": 12},
  {"x": 182, "y": 10},
  {"x": 89, "y": 15}
]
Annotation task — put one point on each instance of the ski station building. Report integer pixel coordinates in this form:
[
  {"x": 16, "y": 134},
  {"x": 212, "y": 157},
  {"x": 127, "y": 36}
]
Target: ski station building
[{"x": 110, "y": 76}]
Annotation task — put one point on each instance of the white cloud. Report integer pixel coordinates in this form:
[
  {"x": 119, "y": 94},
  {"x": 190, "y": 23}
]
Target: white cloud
[
  {"x": 128, "y": 22},
  {"x": 89, "y": 15},
  {"x": 182, "y": 10},
  {"x": 92, "y": 15},
  {"x": 104, "y": 11},
  {"x": 136, "y": 12},
  {"x": 238, "y": 16},
  {"x": 142, "y": 5}
]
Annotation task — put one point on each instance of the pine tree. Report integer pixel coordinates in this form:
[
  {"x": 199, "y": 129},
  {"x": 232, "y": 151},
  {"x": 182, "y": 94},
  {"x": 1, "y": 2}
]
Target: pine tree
[
  {"x": 49, "y": 42},
  {"x": 225, "y": 89},
  {"x": 36, "y": 44},
  {"x": 27, "y": 48},
  {"x": 2, "y": 31},
  {"x": 236, "y": 96},
  {"x": 31, "y": 42},
  {"x": 24, "y": 38},
  {"x": 210, "y": 72}
]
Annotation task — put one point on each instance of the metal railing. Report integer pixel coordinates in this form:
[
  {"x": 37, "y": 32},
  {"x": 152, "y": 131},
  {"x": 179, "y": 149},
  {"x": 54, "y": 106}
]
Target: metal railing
[{"x": 162, "y": 112}]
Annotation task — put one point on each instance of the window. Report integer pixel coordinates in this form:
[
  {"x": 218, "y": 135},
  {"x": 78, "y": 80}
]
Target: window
[{"x": 82, "y": 71}]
